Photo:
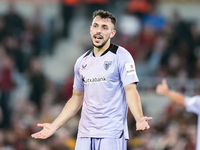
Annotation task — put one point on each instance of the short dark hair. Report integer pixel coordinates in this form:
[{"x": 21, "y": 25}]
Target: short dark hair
[{"x": 105, "y": 14}]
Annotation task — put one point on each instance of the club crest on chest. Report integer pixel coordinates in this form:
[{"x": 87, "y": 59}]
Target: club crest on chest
[{"x": 107, "y": 64}]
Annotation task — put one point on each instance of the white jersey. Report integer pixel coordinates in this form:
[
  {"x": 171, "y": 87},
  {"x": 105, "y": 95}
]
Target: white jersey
[
  {"x": 192, "y": 104},
  {"x": 103, "y": 78}
]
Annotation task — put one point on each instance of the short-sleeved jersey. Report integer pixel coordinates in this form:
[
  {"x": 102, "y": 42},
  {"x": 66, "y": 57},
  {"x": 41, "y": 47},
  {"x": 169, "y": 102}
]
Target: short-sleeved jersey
[
  {"x": 192, "y": 104},
  {"x": 103, "y": 78}
]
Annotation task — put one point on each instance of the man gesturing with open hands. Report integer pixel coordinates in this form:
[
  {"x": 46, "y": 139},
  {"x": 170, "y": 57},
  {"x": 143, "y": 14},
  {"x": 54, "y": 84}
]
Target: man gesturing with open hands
[{"x": 105, "y": 82}]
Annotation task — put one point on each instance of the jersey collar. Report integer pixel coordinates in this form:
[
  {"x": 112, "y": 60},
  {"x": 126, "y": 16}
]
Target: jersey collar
[{"x": 110, "y": 47}]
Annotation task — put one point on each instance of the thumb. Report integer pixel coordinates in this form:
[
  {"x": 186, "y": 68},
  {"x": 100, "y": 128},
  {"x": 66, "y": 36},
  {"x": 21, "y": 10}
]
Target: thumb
[
  {"x": 148, "y": 118},
  {"x": 164, "y": 81}
]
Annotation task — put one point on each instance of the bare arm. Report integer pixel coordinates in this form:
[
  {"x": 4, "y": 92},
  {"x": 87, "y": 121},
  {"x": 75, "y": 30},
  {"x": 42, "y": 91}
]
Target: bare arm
[
  {"x": 134, "y": 103},
  {"x": 172, "y": 95},
  {"x": 70, "y": 109}
]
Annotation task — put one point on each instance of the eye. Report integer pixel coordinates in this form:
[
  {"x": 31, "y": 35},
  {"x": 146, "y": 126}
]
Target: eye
[{"x": 105, "y": 27}]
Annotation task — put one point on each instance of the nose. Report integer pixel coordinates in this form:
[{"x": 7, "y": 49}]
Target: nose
[{"x": 98, "y": 30}]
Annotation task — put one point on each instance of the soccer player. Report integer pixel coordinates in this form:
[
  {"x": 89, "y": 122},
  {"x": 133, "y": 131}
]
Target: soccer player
[
  {"x": 192, "y": 104},
  {"x": 104, "y": 85}
]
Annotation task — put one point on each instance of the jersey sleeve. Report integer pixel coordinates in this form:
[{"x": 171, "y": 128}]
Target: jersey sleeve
[
  {"x": 192, "y": 104},
  {"x": 127, "y": 68},
  {"x": 78, "y": 83}
]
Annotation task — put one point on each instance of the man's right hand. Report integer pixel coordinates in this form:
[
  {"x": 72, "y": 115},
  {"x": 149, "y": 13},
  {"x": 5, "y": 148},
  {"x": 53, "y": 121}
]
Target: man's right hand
[
  {"x": 47, "y": 131},
  {"x": 162, "y": 88}
]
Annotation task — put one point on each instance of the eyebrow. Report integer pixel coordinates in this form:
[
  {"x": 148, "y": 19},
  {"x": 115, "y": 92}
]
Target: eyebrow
[{"x": 103, "y": 25}]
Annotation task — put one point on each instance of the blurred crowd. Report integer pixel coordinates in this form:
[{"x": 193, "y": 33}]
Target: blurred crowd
[{"x": 160, "y": 47}]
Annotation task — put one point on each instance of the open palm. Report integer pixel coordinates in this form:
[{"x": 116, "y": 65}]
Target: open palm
[
  {"x": 142, "y": 123},
  {"x": 47, "y": 131}
]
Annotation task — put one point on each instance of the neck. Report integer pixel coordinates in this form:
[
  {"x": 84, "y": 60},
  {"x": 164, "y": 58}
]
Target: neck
[{"x": 99, "y": 51}]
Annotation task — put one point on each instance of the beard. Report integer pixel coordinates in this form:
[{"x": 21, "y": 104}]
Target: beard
[{"x": 102, "y": 45}]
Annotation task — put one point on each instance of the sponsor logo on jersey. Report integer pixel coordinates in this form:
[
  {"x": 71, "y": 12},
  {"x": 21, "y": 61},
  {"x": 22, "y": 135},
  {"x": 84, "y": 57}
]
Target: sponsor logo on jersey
[
  {"x": 93, "y": 80},
  {"x": 130, "y": 68},
  {"x": 107, "y": 64},
  {"x": 84, "y": 66}
]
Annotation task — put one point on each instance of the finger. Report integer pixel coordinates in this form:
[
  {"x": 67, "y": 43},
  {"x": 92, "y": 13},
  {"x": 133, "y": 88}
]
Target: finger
[
  {"x": 34, "y": 135},
  {"x": 38, "y": 135},
  {"x": 40, "y": 125},
  {"x": 164, "y": 81},
  {"x": 159, "y": 86},
  {"x": 146, "y": 128},
  {"x": 139, "y": 130},
  {"x": 148, "y": 118}
]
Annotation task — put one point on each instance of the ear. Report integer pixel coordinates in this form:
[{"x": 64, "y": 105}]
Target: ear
[
  {"x": 90, "y": 29},
  {"x": 112, "y": 33}
]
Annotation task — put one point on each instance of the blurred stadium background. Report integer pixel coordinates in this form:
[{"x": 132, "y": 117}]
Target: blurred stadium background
[{"x": 40, "y": 41}]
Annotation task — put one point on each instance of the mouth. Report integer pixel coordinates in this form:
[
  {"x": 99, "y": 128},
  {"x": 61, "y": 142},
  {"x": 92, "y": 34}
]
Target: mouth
[{"x": 98, "y": 38}]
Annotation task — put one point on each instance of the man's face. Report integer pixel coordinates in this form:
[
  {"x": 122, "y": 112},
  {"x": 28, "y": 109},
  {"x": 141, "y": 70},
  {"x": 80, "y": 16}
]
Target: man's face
[{"x": 101, "y": 31}]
